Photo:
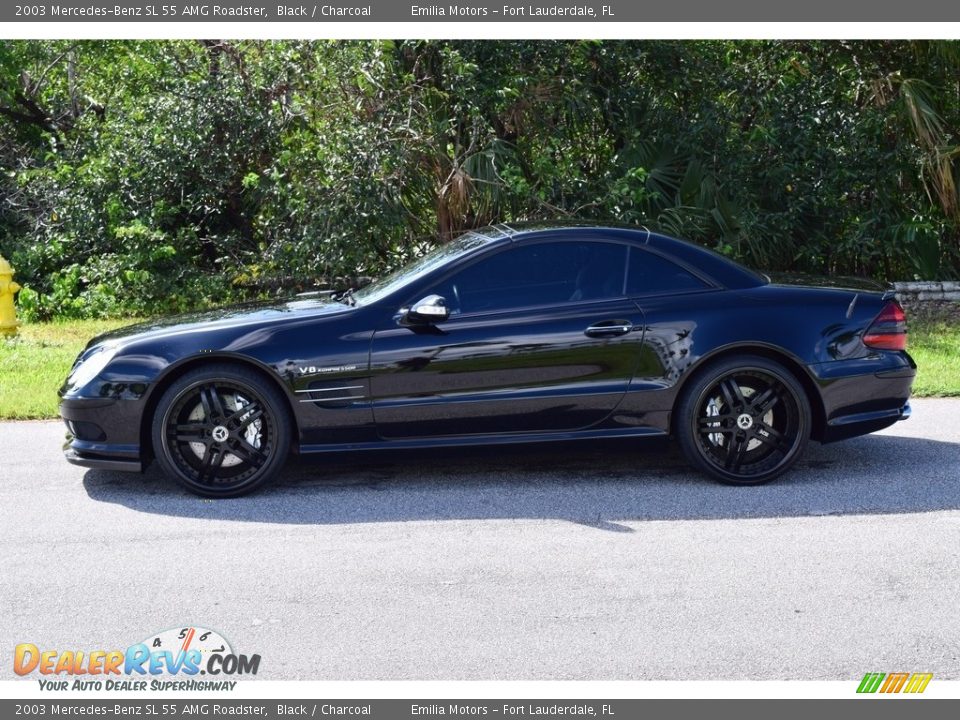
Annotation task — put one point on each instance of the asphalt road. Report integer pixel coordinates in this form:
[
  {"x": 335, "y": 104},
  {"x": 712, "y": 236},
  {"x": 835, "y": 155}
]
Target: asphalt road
[{"x": 596, "y": 562}]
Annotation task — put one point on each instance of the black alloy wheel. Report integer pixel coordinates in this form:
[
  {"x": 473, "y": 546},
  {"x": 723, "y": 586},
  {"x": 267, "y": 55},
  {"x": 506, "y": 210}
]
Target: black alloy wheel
[
  {"x": 744, "y": 420},
  {"x": 221, "y": 431}
]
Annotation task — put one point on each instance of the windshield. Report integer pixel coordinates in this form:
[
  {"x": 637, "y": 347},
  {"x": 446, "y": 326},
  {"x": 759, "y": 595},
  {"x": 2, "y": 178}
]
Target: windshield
[{"x": 418, "y": 268}]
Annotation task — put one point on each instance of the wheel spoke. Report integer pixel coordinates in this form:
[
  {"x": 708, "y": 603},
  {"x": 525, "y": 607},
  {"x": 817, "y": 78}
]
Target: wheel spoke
[
  {"x": 732, "y": 394},
  {"x": 217, "y": 401},
  {"x": 247, "y": 452},
  {"x": 189, "y": 432},
  {"x": 212, "y": 460},
  {"x": 254, "y": 412},
  {"x": 711, "y": 425},
  {"x": 212, "y": 404},
  {"x": 773, "y": 437},
  {"x": 207, "y": 405},
  {"x": 766, "y": 400},
  {"x": 736, "y": 449},
  {"x": 770, "y": 430},
  {"x": 707, "y": 432},
  {"x": 205, "y": 463},
  {"x": 709, "y": 420}
]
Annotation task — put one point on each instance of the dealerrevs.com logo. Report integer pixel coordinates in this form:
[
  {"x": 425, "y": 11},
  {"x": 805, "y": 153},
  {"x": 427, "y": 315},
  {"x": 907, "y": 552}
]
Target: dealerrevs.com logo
[
  {"x": 170, "y": 660},
  {"x": 887, "y": 683}
]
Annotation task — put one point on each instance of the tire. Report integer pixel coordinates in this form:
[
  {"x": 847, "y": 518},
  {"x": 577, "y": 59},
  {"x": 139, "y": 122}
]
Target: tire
[
  {"x": 221, "y": 431},
  {"x": 743, "y": 420}
]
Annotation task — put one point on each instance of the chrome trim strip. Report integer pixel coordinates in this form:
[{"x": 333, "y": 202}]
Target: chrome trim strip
[
  {"x": 334, "y": 399},
  {"x": 331, "y": 389}
]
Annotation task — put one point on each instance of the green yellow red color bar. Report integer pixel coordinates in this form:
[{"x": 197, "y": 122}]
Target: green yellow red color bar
[{"x": 894, "y": 682}]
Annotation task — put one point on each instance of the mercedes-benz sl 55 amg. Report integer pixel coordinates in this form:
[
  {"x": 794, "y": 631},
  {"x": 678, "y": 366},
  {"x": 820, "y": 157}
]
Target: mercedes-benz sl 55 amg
[{"x": 503, "y": 335}]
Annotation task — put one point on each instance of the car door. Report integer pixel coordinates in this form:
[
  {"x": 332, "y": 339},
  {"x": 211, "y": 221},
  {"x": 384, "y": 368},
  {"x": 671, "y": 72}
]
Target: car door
[
  {"x": 671, "y": 297},
  {"x": 541, "y": 337}
]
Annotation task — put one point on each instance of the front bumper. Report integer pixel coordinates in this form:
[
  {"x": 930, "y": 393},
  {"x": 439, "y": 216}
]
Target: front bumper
[
  {"x": 102, "y": 433},
  {"x": 97, "y": 462}
]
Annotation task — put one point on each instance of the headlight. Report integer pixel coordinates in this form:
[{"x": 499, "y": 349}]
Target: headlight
[{"x": 92, "y": 366}]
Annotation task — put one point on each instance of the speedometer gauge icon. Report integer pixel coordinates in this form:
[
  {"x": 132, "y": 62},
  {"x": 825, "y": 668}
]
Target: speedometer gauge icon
[{"x": 183, "y": 639}]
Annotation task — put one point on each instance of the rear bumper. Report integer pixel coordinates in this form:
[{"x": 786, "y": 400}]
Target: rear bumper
[
  {"x": 864, "y": 402},
  {"x": 847, "y": 426}
]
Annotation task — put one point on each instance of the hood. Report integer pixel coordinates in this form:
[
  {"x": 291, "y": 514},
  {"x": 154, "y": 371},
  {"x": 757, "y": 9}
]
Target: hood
[{"x": 247, "y": 314}]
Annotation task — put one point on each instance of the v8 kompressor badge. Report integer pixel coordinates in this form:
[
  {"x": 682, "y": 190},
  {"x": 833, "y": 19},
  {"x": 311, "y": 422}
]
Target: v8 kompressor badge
[{"x": 314, "y": 370}]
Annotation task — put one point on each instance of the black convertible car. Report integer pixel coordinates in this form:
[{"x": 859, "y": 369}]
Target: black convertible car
[{"x": 504, "y": 335}]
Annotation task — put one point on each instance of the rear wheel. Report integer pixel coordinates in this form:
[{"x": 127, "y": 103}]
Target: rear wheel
[
  {"x": 743, "y": 420},
  {"x": 221, "y": 431}
]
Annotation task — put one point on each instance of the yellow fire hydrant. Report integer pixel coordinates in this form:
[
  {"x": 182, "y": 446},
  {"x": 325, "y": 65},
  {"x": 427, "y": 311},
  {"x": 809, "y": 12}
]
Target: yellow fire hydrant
[{"x": 8, "y": 288}]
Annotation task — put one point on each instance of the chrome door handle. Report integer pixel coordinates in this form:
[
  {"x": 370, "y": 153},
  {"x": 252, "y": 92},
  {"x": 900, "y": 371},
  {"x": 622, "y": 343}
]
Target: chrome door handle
[{"x": 609, "y": 328}]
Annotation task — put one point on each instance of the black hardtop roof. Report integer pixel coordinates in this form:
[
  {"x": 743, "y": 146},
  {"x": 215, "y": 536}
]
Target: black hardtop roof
[{"x": 725, "y": 271}]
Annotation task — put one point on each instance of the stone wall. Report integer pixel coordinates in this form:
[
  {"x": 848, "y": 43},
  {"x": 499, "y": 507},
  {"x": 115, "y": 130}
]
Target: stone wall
[{"x": 908, "y": 292}]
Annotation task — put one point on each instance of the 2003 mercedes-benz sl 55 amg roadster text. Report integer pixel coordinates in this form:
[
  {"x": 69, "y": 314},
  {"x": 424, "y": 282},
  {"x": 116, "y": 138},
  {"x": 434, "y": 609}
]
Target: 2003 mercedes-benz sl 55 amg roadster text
[{"x": 504, "y": 335}]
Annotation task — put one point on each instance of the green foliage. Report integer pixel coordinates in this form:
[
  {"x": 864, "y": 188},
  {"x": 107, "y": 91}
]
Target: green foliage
[
  {"x": 155, "y": 176},
  {"x": 47, "y": 351},
  {"x": 934, "y": 342}
]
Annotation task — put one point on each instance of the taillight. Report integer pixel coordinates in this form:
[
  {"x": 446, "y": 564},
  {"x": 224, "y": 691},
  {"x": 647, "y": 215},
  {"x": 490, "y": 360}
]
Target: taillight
[{"x": 889, "y": 330}]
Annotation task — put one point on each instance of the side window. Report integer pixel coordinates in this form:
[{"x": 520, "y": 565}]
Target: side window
[
  {"x": 649, "y": 274},
  {"x": 539, "y": 274}
]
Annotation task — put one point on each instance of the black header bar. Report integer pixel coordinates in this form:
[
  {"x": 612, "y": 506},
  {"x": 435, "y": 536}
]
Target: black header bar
[{"x": 574, "y": 11}]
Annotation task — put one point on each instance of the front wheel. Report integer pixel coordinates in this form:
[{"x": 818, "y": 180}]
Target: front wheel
[
  {"x": 221, "y": 431},
  {"x": 743, "y": 420}
]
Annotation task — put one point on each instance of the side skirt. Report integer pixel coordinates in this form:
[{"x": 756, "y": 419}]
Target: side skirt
[{"x": 479, "y": 440}]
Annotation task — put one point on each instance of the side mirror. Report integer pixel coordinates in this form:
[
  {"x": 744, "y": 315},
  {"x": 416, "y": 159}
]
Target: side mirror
[{"x": 428, "y": 310}]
